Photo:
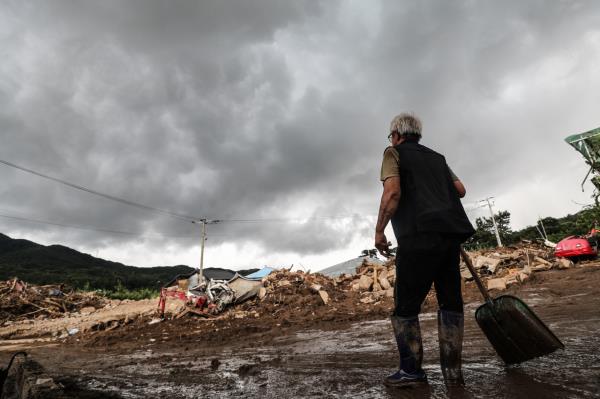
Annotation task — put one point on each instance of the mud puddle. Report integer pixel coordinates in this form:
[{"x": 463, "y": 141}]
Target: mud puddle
[{"x": 352, "y": 363}]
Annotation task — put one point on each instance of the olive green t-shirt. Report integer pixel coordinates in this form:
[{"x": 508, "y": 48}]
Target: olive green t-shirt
[{"x": 390, "y": 167}]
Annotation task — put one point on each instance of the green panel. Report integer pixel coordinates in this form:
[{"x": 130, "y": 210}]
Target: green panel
[{"x": 588, "y": 145}]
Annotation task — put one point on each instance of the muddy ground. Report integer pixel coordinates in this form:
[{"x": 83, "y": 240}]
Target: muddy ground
[{"x": 332, "y": 355}]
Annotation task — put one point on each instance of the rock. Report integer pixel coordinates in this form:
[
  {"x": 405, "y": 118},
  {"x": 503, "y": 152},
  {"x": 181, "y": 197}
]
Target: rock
[
  {"x": 376, "y": 286},
  {"x": 496, "y": 284},
  {"x": 239, "y": 315},
  {"x": 315, "y": 288},
  {"x": 365, "y": 282},
  {"x": 379, "y": 294},
  {"x": 389, "y": 293},
  {"x": 540, "y": 268},
  {"x": 529, "y": 257},
  {"x": 542, "y": 261},
  {"x": 355, "y": 286},
  {"x": 383, "y": 274},
  {"x": 383, "y": 282},
  {"x": 262, "y": 292},
  {"x": 511, "y": 280},
  {"x": 44, "y": 381},
  {"x": 284, "y": 283},
  {"x": 87, "y": 310},
  {"x": 523, "y": 276},
  {"x": 465, "y": 273},
  {"x": 367, "y": 299},
  {"x": 324, "y": 297},
  {"x": 564, "y": 263},
  {"x": 490, "y": 264},
  {"x": 174, "y": 307}
]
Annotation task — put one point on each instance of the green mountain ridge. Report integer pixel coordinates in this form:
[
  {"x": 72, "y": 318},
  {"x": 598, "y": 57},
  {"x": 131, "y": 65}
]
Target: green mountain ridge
[{"x": 57, "y": 264}]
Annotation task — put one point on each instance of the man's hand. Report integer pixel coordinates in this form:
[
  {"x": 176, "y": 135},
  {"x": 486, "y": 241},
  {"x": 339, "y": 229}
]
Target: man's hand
[
  {"x": 460, "y": 188},
  {"x": 387, "y": 208},
  {"x": 381, "y": 243}
]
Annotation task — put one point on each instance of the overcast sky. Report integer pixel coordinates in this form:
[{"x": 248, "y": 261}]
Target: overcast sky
[{"x": 280, "y": 110}]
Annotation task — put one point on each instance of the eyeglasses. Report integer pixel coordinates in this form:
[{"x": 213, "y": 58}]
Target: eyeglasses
[{"x": 391, "y": 135}]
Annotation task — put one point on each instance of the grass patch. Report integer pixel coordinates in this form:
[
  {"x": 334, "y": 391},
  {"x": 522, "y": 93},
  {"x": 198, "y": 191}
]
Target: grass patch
[{"x": 121, "y": 293}]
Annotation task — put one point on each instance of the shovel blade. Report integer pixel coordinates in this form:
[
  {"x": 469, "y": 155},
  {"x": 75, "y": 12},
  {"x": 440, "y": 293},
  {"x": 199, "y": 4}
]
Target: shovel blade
[{"x": 515, "y": 332}]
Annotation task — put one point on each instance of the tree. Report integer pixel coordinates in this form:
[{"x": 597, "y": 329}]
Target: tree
[{"x": 485, "y": 235}]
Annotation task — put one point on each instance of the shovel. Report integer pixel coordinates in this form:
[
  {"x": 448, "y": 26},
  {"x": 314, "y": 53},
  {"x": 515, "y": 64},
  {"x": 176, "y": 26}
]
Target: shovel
[{"x": 515, "y": 332}]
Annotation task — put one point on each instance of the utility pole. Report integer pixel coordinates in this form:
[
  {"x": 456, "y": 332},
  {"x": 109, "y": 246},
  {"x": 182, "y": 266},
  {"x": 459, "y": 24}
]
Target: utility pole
[
  {"x": 493, "y": 220},
  {"x": 543, "y": 228},
  {"x": 201, "y": 276},
  {"x": 204, "y": 223}
]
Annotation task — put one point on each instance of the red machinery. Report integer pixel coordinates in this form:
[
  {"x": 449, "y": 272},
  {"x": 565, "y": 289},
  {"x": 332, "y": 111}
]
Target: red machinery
[
  {"x": 577, "y": 247},
  {"x": 207, "y": 299},
  {"x": 198, "y": 302}
]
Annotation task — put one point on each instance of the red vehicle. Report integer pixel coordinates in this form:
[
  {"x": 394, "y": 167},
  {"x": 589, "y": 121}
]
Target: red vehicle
[{"x": 577, "y": 247}]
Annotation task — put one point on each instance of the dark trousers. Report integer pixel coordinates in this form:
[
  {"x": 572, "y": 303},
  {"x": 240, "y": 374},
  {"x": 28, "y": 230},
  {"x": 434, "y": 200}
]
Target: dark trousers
[{"x": 423, "y": 260}]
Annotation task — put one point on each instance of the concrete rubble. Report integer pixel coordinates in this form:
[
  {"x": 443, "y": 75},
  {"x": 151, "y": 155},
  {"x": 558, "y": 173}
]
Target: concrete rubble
[{"x": 507, "y": 266}]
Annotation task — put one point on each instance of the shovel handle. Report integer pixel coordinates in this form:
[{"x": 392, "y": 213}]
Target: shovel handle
[{"x": 478, "y": 281}]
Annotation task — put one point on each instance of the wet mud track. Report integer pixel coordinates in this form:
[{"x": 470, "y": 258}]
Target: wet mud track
[{"x": 351, "y": 362}]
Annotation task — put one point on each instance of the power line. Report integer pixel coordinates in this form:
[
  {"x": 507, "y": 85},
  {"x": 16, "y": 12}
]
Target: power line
[
  {"x": 24, "y": 219},
  {"x": 111, "y": 197},
  {"x": 179, "y": 215},
  {"x": 297, "y": 219},
  {"x": 187, "y": 218},
  {"x": 101, "y": 230},
  {"x": 468, "y": 210}
]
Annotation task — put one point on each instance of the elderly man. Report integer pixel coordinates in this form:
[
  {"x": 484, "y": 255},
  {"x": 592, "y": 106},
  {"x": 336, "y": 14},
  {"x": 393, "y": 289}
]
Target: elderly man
[{"x": 421, "y": 196}]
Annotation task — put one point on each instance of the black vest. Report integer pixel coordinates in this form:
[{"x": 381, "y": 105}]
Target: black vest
[{"x": 429, "y": 201}]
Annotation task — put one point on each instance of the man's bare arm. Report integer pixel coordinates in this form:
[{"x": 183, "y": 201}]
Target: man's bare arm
[
  {"x": 460, "y": 188},
  {"x": 389, "y": 203}
]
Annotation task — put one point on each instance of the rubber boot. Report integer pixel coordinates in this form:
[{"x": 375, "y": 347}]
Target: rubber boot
[
  {"x": 450, "y": 332},
  {"x": 408, "y": 338}
]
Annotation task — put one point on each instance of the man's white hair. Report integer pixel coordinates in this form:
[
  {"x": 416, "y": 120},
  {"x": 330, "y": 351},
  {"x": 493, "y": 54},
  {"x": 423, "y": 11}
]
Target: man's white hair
[{"x": 406, "y": 124}]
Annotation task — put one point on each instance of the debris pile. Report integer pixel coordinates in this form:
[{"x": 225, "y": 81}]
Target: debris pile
[
  {"x": 276, "y": 298},
  {"x": 507, "y": 266},
  {"x": 296, "y": 297},
  {"x": 371, "y": 281},
  {"x": 19, "y": 300},
  {"x": 285, "y": 289}
]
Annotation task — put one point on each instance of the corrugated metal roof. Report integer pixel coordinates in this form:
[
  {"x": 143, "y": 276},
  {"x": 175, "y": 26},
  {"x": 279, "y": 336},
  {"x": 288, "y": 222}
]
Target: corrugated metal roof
[
  {"x": 264, "y": 272},
  {"x": 348, "y": 267}
]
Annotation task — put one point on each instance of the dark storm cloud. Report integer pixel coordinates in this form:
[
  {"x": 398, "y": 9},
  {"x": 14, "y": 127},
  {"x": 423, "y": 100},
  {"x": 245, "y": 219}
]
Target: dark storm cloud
[{"x": 273, "y": 109}]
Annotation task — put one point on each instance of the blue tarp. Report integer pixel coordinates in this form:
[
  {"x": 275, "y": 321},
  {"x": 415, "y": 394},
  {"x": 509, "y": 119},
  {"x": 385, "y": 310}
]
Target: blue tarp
[{"x": 259, "y": 275}]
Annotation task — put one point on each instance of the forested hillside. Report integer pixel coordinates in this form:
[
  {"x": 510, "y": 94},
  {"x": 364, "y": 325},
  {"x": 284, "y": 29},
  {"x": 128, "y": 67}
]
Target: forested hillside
[{"x": 51, "y": 264}]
